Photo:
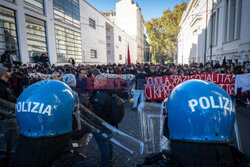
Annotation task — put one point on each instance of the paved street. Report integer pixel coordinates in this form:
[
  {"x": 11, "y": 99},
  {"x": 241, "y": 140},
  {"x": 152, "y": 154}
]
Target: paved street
[{"x": 130, "y": 125}]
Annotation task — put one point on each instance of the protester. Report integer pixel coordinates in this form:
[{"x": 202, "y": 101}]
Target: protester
[
  {"x": 70, "y": 80},
  {"x": 25, "y": 75},
  {"x": 20, "y": 78},
  {"x": 140, "y": 80},
  {"x": 5, "y": 58},
  {"x": 6, "y": 91},
  {"x": 44, "y": 59},
  {"x": 79, "y": 133},
  {"x": 152, "y": 72},
  {"x": 13, "y": 59},
  {"x": 81, "y": 82},
  {"x": 37, "y": 58},
  {"x": 101, "y": 107}
]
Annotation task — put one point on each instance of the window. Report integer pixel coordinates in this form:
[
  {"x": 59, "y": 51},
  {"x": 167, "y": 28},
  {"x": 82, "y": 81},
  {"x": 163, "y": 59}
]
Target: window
[
  {"x": 226, "y": 20},
  {"x": 238, "y": 19},
  {"x": 92, "y": 23},
  {"x": 233, "y": 12},
  {"x": 120, "y": 38},
  {"x": 8, "y": 37},
  {"x": 34, "y": 5},
  {"x": 120, "y": 57},
  {"x": 93, "y": 53},
  {"x": 214, "y": 28},
  {"x": 36, "y": 37},
  {"x": 217, "y": 26},
  {"x": 67, "y": 11},
  {"x": 232, "y": 9},
  {"x": 68, "y": 45}
]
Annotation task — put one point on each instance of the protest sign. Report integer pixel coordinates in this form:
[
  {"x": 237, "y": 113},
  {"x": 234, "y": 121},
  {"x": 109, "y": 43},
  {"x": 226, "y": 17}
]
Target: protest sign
[
  {"x": 242, "y": 88},
  {"x": 159, "y": 88}
]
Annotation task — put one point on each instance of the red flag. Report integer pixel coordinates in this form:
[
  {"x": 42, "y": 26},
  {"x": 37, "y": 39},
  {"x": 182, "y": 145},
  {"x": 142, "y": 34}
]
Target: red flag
[{"x": 129, "y": 61}]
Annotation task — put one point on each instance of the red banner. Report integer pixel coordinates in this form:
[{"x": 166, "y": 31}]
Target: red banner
[
  {"x": 110, "y": 83},
  {"x": 159, "y": 88}
]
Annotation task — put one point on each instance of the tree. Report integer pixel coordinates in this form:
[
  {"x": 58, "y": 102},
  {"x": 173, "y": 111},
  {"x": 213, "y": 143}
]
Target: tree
[{"x": 162, "y": 33}]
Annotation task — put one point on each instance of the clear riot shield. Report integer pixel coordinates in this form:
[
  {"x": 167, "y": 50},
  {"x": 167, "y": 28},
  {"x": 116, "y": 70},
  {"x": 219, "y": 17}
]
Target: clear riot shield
[
  {"x": 152, "y": 117},
  {"x": 133, "y": 147}
]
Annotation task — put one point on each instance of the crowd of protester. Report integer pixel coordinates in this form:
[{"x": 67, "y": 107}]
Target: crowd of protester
[
  {"x": 19, "y": 73},
  {"x": 16, "y": 77}
]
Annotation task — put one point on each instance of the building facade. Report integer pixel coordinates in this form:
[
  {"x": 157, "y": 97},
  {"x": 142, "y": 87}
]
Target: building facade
[
  {"x": 63, "y": 29},
  {"x": 212, "y": 30},
  {"x": 129, "y": 18}
]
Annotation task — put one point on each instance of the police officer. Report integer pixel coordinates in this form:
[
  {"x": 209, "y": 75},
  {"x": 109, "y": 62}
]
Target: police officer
[
  {"x": 201, "y": 118},
  {"x": 44, "y": 112}
]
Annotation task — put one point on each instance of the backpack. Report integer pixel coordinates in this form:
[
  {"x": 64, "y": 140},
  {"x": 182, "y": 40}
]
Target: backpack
[{"x": 117, "y": 106}]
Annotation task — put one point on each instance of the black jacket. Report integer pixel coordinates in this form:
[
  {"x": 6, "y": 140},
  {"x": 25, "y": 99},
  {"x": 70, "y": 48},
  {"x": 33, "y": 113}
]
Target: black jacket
[
  {"x": 140, "y": 80},
  {"x": 6, "y": 91},
  {"x": 133, "y": 72},
  {"x": 37, "y": 59},
  {"x": 100, "y": 101},
  {"x": 49, "y": 151},
  {"x": 5, "y": 58},
  {"x": 150, "y": 74},
  {"x": 43, "y": 59},
  {"x": 188, "y": 154}
]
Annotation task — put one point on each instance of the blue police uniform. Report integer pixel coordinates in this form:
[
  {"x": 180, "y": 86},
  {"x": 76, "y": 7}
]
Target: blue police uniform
[
  {"x": 201, "y": 118},
  {"x": 44, "y": 112}
]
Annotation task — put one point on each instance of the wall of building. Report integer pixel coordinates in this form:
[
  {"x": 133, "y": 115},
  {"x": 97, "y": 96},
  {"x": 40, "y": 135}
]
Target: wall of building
[
  {"x": 126, "y": 17},
  {"x": 121, "y": 47},
  {"x": 130, "y": 19},
  {"x": 140, "y": 35},
  {"x": 238, "y": 49},
  {"x": 192, "y": 35},
  {"x": 99, "y": 38},
  {"x": 63, "y": 36},
  {"x": 93, "y": 38},
  {"x": 195, "y": 28}
]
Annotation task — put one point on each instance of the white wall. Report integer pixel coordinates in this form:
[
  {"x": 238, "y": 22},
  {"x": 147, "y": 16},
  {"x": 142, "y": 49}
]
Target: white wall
[
  {"x": 130, "y": 19},
  {"x": 96, "y": 38},
  {"x": 236, "y": 49},
  {"x": 191, "y": 39},
  {"x": 93, "y": 38},
  {"x": 126, "y": 17},
  {"x": 121, "y": 48}
]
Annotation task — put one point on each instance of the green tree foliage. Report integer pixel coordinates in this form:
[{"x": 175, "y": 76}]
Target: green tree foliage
[{"x": 163, "y": 31}]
